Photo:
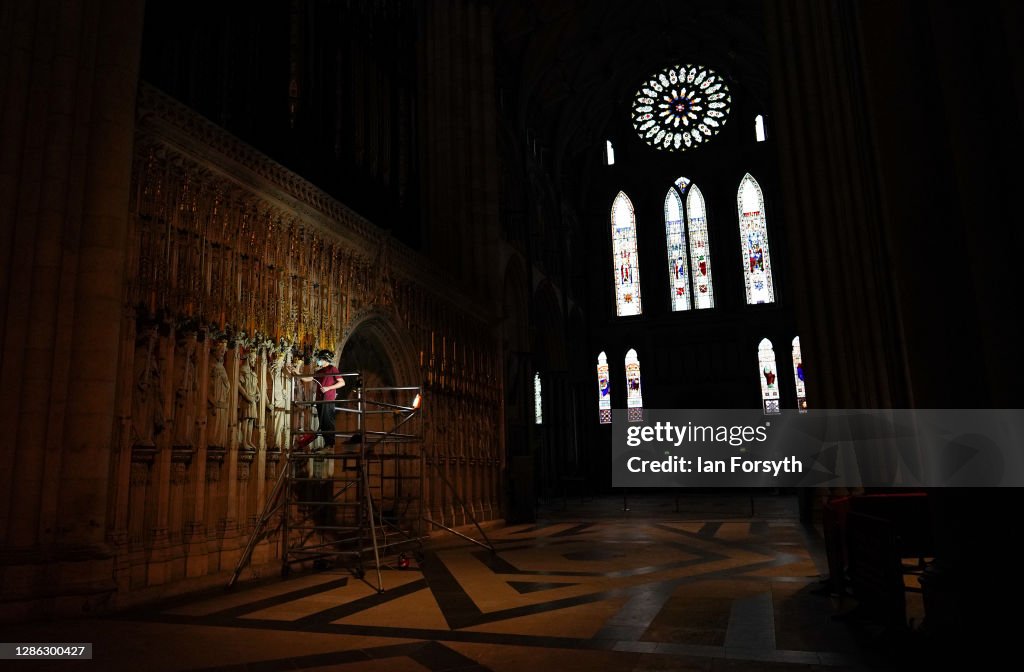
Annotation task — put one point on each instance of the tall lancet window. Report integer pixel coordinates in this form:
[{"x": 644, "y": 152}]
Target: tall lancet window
[
  {"x": 700, "y": 251},
  {"x": 675, "y": 241},
  {"x": 634, "y": 395},
  {"x": 604, "y": 391},
  {"x": 757, "y": 265},
  {"x": 538, "y": 401},
  {"x": 769, "y": 375},
  {"x": 626, "y": 268},
  {"x": 798, "y": 377},
  {"x": 688, "y": 261}
]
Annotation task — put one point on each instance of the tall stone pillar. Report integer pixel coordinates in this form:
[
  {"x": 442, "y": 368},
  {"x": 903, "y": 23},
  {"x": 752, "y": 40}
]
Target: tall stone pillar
[
  {"x": 903, "y": 220},
  {"x": 458, "y": 113},
  {"x": 845, "y": 294},
  {"x": 68, "y": 76}
]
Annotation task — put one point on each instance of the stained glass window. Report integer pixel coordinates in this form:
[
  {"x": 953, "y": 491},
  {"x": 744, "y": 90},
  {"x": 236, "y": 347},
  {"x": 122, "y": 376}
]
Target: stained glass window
[
  {"x": 759, "y": 128},
  {"x": 609, "y": 153},
  {"x": 604, "y": 391},
  {"x": 681, "y": 107},
  {"x": 634, "y": 395},
  {"x": 538, "y": 404},
  {"x": 625, "y": 264},
  {"x": 769, "y": 375},
  {"x": 757, "y": 265},
  {"x": 700, "y": 252},
  {"x": 798, "y": 377},
  {"x": 675, "y": 239},
  {"x": 685, "y": 263}
]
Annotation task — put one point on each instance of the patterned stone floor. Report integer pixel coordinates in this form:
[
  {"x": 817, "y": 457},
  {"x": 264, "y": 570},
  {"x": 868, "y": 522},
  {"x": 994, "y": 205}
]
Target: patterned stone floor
[{"x": 591, "y": 588}]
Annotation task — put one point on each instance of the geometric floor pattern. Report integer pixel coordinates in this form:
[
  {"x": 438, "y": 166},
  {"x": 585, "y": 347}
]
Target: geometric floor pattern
[{"x": 598, "y": 594}]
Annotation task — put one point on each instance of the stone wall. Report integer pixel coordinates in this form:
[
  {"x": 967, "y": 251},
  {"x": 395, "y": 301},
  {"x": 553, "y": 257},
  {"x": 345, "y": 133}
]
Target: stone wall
[{"x": 234, "y": 267}]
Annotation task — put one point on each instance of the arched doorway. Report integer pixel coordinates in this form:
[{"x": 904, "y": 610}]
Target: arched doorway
[
  {"x": 375, "y": 347},
  {"x": 365, "y": 353}
]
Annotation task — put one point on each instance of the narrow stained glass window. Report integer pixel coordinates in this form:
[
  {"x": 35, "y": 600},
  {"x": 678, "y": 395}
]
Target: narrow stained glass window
[
  {"x": 675, "y": 239},
  {"x": 626, "y": 268},
  {"x": 688, "y": 261},
  {"x": 634, "y": 395},
  {"x": 769, "y": 375},
  {"x": 798, "y": 377},
  {"x": 757, "y": 265},
  {"x": 604, "y": 391},
  {"x": 759, "y": 128},
  {"x": 700, "y": 251},
  {"x": 538, "y": 403},
  {"x": 609, "y": 153}
]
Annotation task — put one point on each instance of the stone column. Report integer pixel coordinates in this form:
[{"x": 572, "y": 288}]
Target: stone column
[
  {"x": 891, "y": 166},
  {"x": 229, "y": 523},
  {"x": 260, "y": 463},
  {"x": 197, "y": 559},
  {"x": 69, "y": 73},
  {"x": 458, "y": 129},
  {"x": 158, "y": 539},
  {"x": 844, "y": 286}
]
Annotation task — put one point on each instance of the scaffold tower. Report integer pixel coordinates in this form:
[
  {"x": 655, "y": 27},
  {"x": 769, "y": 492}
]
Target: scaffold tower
[{"x": 353, "y": 496}]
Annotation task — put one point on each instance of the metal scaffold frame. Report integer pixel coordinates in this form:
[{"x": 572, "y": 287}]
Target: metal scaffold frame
[{"x": 352, "y": 500}]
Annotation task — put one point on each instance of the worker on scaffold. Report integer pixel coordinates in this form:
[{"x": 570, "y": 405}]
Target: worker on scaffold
[{"x": 328, "y": 380}]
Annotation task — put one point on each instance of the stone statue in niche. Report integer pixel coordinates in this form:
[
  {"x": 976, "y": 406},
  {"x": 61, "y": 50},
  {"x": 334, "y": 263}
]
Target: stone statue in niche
[
  {"x": 220, "y": 387},
  {"x": 304, "y": 417},
  {"x": 185, "y": 391},
  {"x": 147, "y": 396},
  {"x": 248, "y": 402},
  {"x": 279, "y": 401}
]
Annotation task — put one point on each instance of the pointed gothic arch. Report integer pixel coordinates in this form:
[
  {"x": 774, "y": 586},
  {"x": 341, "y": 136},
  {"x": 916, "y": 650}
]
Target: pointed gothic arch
[
  {"x": 689, "y": 251},
  {"x": 768, "y": 373},
  {"x": 604, "y": 390},
  {"x": 757, "y": 265},
  {"x": 625, "y": 262},
  {"x": 634, "y": 391}
]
